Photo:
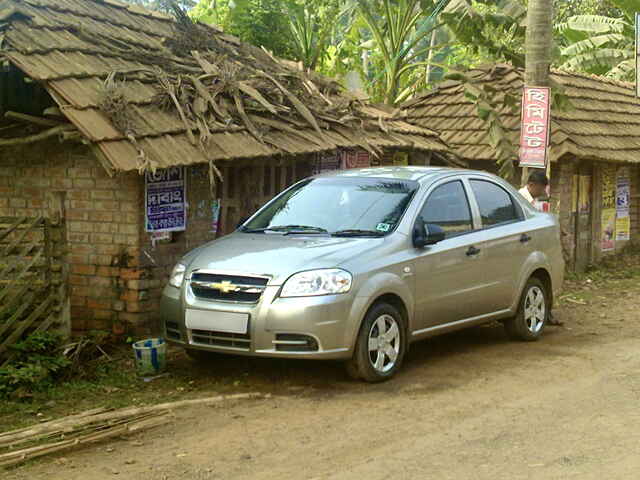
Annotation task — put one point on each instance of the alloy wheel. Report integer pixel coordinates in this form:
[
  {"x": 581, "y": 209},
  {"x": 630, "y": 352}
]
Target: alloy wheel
[
  {"x": 384, "y": 343},
  {"x": 535, "y": 309}
]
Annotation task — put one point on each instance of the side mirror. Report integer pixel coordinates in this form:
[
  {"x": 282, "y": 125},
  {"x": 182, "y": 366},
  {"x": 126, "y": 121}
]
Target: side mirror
[
  {"x": 427, "y": 234},
  {"x": 420, "y": 234},
  {"x": 435, "y": 234}
]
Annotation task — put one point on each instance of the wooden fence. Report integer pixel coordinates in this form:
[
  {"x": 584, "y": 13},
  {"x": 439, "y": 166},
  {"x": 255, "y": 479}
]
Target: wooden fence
[{"x": 32, "y": 279}]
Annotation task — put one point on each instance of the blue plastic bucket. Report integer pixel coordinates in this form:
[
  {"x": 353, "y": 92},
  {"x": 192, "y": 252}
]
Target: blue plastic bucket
[{"x": 151, "y": 356}]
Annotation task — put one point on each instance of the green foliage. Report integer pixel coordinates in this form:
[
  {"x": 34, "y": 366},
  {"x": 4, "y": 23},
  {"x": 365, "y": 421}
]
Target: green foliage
[
  {"x": 163, "y": 5},
  {"x": 264, "y": 23},
  {"x": 312, "y": 25},
  {"x": 399, "y": 30},
  {"x": 37, "y": 361},
  {"x": 600, "y": 44},
  {"x": 487, "y": 31}
]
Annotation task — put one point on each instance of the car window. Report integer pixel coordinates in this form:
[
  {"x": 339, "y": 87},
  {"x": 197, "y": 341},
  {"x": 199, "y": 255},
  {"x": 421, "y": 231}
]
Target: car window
[
  {"x": 495, "y": 204},
  {"x": 448, "y": 207}
]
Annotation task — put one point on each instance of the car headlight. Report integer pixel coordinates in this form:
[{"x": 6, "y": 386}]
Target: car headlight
[
  {"x": 177, "y": 275},
  {"x": 317, "y": 282}
]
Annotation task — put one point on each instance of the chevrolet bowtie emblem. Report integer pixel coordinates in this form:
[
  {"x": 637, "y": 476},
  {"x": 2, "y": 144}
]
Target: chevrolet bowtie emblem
[{"x": 224, "y": 287}]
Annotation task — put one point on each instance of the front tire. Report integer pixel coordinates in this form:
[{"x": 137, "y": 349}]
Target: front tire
[
  {"x": 380, "y": 346},
  {"x": 533, "y": 313}
]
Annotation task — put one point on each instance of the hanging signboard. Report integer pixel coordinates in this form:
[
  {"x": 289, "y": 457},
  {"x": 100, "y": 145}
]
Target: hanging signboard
[
  {"x": 623, "y": 202},
  {"x": 534, "y": 126},
  {"x": 608, "y": 217},
  {"x": 165, "y": 201}
]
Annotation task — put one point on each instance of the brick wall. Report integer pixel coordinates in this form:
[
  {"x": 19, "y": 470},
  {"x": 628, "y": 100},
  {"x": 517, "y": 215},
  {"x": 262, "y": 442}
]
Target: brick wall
[{"x": 103, "y": 217}]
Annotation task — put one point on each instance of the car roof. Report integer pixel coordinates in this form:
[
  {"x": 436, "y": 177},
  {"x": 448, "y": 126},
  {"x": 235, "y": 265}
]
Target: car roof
[{"x": 399, "y": 173}]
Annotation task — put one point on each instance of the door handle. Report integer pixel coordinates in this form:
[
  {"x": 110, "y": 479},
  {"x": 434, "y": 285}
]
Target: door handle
[
  {"x": 473, "y": 251},
  {"x": 524, "y": 238}
]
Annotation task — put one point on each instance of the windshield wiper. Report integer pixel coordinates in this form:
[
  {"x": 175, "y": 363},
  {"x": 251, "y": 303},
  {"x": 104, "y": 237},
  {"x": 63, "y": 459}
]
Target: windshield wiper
[
  {"x": 357, "y": 233},
  {"x": 287, "y": 229}
]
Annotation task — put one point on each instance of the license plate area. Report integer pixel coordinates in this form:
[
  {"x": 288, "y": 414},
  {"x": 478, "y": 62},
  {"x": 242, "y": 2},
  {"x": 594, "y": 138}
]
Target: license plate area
[{"x": 228, "y": 322}]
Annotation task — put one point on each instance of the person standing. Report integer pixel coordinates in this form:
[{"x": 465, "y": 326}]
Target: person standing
[{"x": 535, "y": 188}]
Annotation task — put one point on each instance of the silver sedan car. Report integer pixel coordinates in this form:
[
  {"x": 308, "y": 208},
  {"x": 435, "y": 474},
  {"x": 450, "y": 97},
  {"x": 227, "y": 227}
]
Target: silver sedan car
[{"x": 357, "y": 265}]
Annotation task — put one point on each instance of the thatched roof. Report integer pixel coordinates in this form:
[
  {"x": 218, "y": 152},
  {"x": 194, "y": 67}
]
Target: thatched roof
[
  {"x": 147, "y": 90},
  {"x": 602, "y": 121}
]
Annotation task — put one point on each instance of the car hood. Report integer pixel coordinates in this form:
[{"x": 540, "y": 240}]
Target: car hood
[{"x": 275, "y": 255}]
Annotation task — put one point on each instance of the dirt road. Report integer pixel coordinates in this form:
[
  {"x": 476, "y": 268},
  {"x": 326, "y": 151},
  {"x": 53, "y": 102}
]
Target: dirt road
[{"x": 467, "y": 406}]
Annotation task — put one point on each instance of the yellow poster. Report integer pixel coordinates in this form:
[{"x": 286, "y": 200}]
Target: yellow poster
[
  {"x": 623, "y": 228},
  {"x": 400, "y": 159},
  {"x": 585, "y": 194},
  {"x": 574, "y": 193},
  {"x": 608, "y": 241}
]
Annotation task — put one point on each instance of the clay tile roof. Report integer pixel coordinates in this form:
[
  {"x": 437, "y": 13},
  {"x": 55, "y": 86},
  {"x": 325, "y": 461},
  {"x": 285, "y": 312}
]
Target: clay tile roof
[
  {"x": 72, "y": 46},
  {"x": 601, "y": 123}
]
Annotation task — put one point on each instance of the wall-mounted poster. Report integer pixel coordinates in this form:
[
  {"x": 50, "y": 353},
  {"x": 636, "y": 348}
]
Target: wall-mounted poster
[
  {"x": 623, "y": 202},
  {"x": 584, "y": 196},
  {"x": 326, "y": 162},
  {"x": 400, "y": 159},
  {"x": 608, "y": 217},
  {"x": 215, "y": 216},
  {"x": 165, "y": 200},
  {"x": 355, "y": 159}
]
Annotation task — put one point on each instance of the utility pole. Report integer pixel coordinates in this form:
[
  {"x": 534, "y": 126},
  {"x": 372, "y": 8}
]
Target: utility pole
[{"x": 538, "y": 45}]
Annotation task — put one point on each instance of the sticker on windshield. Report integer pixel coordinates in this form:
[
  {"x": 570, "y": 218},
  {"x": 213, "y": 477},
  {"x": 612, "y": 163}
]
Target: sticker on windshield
[{"x": 383, "y": 227}]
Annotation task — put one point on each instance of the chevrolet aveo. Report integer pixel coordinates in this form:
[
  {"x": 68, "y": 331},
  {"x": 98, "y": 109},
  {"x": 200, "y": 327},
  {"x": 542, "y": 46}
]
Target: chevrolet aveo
[{"x": 356, "y": 265}]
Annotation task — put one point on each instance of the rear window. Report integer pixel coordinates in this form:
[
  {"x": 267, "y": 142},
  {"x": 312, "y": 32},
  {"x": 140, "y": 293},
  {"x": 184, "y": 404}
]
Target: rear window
[{"x": 496, "y": 205}]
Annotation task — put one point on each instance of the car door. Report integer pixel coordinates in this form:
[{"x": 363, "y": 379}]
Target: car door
[
  {"x": 449, "y": 274},
  {"x": 506, "y": 240}
]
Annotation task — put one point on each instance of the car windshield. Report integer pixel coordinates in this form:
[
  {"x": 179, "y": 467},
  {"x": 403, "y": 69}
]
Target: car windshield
[{"x": 337, "y": 205}]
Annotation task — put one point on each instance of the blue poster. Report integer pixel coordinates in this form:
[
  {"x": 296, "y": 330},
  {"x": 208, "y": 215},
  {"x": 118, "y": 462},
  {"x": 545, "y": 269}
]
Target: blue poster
[{"x": 165, "y": 201}]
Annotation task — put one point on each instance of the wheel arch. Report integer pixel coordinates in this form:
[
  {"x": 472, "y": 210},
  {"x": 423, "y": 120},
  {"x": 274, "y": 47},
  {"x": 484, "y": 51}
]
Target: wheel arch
[{"x": 395, "y": 300}]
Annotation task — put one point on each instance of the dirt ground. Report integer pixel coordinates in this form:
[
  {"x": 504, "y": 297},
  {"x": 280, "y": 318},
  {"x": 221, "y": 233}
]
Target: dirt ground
[{"x": 470, "y": 405}]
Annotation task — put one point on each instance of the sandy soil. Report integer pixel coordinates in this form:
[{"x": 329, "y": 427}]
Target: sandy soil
[{"x": 470, "y": 405}]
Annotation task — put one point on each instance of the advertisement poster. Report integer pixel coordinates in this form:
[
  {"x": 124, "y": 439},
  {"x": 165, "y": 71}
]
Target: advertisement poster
[
  {"x": 165, "y": 201},
  {"x": 623, "y": 202},
  {"x": 215, "y": 216},
  {"x": 608, "y": 217},
  {"x": 584, "y": 195},
  {"x": 355, "y": 159},
  {"x": 326, "y": 162},
  {"x": 534, "y": 127},
  {"x": 575, "y": 179},
  {"x": 400, "y": 159}
]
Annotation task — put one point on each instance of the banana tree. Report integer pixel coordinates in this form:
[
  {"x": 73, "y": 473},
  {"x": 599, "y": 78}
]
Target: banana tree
[{"x": 600, "y": 44}]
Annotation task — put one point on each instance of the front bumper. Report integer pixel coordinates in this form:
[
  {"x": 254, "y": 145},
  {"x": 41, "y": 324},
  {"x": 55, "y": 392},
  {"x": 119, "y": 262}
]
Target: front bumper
[{"x": 275, "y": 328}]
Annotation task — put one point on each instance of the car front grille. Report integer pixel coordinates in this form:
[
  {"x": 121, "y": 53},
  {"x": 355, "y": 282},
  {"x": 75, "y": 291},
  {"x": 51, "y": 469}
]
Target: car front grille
[
  {"x": 227, "y": 288},
  {"x": 238, "y": 341}
]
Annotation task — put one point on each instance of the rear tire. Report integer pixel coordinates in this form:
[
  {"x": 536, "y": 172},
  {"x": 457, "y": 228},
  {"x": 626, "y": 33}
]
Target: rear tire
[
  {"x": 533, "y": 313},
  {"x": 380, "y": 346}
]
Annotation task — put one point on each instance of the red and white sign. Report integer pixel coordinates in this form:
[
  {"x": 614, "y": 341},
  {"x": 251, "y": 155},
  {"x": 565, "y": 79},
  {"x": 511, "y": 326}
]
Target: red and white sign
[{"x": 534, "y": 130}]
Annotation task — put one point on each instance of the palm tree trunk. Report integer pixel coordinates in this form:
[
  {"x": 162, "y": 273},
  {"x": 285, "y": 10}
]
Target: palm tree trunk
[
  {"x": 432, "y": 44},
  {"x": 538, "y": 45}
]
